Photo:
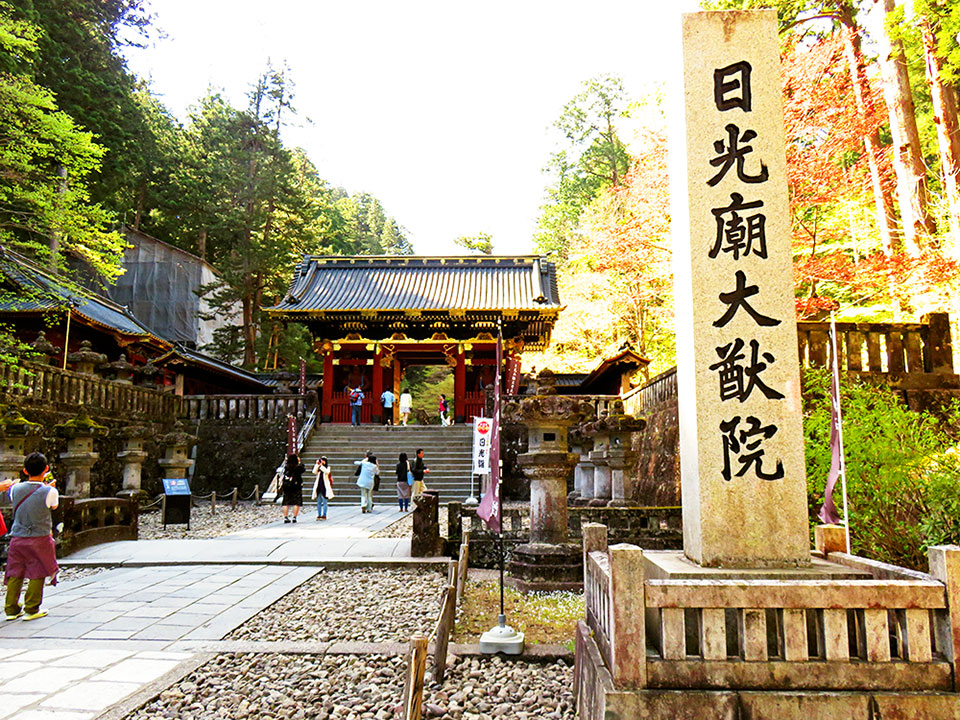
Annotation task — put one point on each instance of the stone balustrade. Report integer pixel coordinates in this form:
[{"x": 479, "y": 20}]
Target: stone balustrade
[
  {"x": 34, "y": 383},
  {"x": 242, "y": 407},
  {"x": 880, "y": 627}
]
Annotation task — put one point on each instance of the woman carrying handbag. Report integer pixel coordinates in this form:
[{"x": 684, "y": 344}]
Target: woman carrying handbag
[
  {"x": 404, "y": 481},
  {"x": 322, "y": 486}
]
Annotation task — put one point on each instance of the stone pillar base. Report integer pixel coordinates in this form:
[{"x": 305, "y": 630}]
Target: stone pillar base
[{"x": 544, "y": 567}]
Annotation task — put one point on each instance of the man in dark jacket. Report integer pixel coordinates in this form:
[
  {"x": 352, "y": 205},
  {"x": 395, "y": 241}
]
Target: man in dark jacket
[{"x": 419, "y": 470}]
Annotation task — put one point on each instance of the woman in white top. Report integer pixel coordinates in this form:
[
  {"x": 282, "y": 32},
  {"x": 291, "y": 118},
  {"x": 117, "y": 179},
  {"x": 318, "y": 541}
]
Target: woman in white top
[
  {"x": 322, "y": 487},
  {"x": 406, "y": 405}
]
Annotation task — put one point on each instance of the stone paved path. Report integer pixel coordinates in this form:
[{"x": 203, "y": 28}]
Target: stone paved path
[{"x": 110, "y": 635}]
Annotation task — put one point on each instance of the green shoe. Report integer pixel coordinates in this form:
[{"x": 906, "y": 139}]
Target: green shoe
[
  {"x": 14, "y": 617},
  {"x": 35, "y": 616}
]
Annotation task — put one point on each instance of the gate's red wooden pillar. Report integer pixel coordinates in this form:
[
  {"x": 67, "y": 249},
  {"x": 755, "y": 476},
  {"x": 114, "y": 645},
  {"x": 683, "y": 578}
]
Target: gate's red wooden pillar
[
  {"x": 326, "y": 404},
  {"x": 377, "y": 418},
  {"x": 460, "y": 388}
]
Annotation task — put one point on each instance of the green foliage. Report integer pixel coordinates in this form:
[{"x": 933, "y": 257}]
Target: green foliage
[
  {"x": 79, "y": 60},
  {"x": 902, "y": 469},
  {"x": 591, "y": 159},
  {"x": 481, "y": 243},
  {"x": 425, "y": 383},
  {"x": 45, "y": 161}
]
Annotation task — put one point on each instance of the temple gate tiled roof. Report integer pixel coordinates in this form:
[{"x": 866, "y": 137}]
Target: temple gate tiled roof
[
  {"x": 457, "y": 295},
  {"x": 421, "y": 283}
]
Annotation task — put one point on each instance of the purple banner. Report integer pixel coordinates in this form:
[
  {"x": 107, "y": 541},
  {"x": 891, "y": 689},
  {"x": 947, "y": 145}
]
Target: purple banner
[
  {"x": 828, "y": 513},
  {"x": 489, "y": 508}
]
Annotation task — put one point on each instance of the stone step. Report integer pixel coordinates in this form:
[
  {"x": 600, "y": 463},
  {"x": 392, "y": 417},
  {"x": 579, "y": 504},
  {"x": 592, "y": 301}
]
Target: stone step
[{"x": 448, "y": 452}]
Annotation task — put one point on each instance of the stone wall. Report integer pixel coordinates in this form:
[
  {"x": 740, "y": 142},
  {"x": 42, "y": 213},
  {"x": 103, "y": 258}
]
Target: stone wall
[
  {"x": 237, "y": 453},
  {"x": 658, "y": 462},
  {"x": 652, "y": 528}
]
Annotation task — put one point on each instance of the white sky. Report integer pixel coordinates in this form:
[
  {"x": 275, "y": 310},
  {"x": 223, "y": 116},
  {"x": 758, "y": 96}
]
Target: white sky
[{"x": 442, "y": 110}]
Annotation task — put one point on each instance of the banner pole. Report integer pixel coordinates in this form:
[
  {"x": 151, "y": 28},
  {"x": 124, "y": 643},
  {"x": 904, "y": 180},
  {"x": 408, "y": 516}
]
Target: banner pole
[{"x": 843, "y": 462}]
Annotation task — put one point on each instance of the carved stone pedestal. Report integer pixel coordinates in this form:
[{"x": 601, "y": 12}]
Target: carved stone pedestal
[
  {"x": 176, "y": 454},
  {"x": 132, "y": 457},
  {"x": 14, "y": 429},
  {"x": 79, "y": 457},
  {"x": 548, "y": 561}
]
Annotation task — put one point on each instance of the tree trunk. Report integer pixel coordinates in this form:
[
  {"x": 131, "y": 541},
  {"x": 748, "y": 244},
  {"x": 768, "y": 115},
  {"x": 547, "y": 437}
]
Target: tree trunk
[
  {"x": 944, "y": 97},
  {"x": 915, "y": 219},
  {"x": 249, "y": 329},
  {"x": 138, "y": 216},
  {"x": 856, "y": 64}
]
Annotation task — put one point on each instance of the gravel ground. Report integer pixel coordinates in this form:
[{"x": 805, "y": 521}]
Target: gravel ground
[
  {"x": 204, "y": 524},
  {"x": 297, "y": 687},
  {"x": 366, "y": 605}
]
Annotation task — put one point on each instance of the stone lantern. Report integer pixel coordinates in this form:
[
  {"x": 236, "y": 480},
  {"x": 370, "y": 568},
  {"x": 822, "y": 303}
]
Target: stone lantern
[
  {"x": 581, "y": 445},
  {"x": 149, "y": 374},
  {"x": 132, "y": 457},
  {"x": 14, "y": 429},
  {"x": 123, "y": 370},
  {"x": 176, "y": 461},
  {"x": 620, "y": 456},
  {"x": 548, "y": 561},
  {"x": 86, "y": 359},
  {"x": 46, "y": 350},
  {"x": 79, "y": 457},
  {"x": 602, "y": 480}
]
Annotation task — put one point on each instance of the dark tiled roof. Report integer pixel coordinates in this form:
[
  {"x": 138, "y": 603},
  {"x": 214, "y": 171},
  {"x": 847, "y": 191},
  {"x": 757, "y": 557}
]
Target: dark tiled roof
[
  {"x": 40, "y": 291},
  {"x": 184, "y": 356},
  {"x": 400, "y": 283}
]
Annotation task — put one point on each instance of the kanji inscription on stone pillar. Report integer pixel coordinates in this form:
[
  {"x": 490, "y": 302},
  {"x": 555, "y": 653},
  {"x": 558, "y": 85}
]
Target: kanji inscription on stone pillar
[{"x": 741, "y": 437}]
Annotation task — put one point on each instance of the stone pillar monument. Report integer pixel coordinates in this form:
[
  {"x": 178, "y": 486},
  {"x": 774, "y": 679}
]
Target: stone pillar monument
[
  {"x": 741, "y": 439},
  {"x": 14, "y": 430},
  {"x": 548, "y": 561},
  {"x": 79, "y": 457},
  {"x": 176, "y": 461},
  {"x": 132, "y": 457}
]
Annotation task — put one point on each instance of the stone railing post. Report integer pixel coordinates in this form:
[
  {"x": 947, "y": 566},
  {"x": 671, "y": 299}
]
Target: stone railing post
[
  {"x": 14, "y": 430},
  {"x": 939, "y": 344},
  {"x": 629, "y": 636},
  {"x": 79, "y": 457},
  {"x": 132, "y": 457},
  {"x": 594, "y": 538},
  {"x": 944, "y": 563},
  {"x": 176, "y": 461},
  {"x": 830, "y": 538}
]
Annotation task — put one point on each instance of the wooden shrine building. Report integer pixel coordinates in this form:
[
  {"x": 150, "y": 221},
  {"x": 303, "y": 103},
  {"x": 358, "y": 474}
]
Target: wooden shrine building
[{"x": 372, "y": 317}]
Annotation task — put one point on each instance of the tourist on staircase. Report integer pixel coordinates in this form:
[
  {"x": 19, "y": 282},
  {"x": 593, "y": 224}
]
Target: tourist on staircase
[
  {"x": 322, "y": 486},
  {"x": 404, "y": 482},
  {"x": 419, "y": 470},
  {"x": 356, "y": 405},
  {"x": 368, "y": 471},
  {"x": 406, "y": 405},
  {"x": 292, "y": 487},
  {"x": 387, "y": 397},
  {"x": 444, "y": 409}
]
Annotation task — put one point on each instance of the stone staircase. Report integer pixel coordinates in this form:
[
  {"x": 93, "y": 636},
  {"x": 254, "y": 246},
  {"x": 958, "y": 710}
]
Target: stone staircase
[{"x": 447, "y": 452}]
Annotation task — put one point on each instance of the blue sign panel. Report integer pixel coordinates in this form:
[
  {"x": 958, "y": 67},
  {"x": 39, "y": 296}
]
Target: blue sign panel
[{"x": 176, "y": 486}]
